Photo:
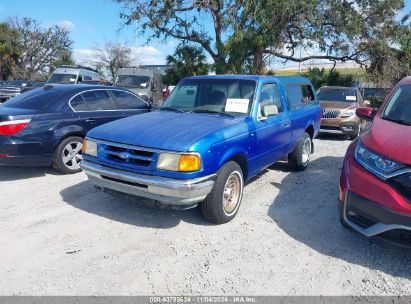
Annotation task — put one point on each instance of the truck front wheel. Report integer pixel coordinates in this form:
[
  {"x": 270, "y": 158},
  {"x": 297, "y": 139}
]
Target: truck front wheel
[
  {"x": 222, "y": 203},
  {"x": 300, "y": 157}
]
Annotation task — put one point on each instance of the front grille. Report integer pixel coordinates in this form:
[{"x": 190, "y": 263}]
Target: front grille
[
  {"x": 402, "y": 183},
  {"x": 329, "y": 114},
  {"x": 127, "y": 156}
]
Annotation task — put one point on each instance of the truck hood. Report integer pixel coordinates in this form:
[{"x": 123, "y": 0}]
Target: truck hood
[
  {"x": 338, "y": 105},
  {"x": 163, "y": 129},
  {"x": 389, "y": 139}
]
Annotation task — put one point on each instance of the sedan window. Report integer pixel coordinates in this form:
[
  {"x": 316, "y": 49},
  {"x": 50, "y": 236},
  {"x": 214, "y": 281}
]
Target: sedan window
[
  {"x": 78, "y": 104},
  {"x": 98, "y": 100},
  {"x": 126, "y": 101}
]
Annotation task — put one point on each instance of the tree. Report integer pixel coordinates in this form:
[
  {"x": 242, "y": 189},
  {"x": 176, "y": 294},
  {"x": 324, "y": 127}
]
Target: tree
[
  {"x": 43, "y": 48},
  {"x": 186, "y": 61},
  {"x": 244, "y": 34},
  {"x": 320, "y": 77},
  {"x": 10, "y": 50},
  {"x": 112, "y": 57},
  {"x": 390, "y": 63}
]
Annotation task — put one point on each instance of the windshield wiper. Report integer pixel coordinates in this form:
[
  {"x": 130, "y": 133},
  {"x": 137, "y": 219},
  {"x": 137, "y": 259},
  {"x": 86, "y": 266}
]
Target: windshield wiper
[
  {"x": 212, "y": 112},
  {"x": 400, "y": 121},
  {"x": 171, "y": 109}
]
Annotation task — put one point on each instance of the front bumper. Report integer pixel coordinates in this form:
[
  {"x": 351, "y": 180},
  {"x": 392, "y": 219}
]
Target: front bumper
[
  {"x": 349, "y": 125},
  {"x": 371, "y": 206},
  {"x": 168, "y": 191},
  {"x": 371, "y": 219}
]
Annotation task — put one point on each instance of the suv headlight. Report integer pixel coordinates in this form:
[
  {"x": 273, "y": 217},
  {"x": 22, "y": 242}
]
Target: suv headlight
[
  {"x": 182, "y": 162},
  {"x": 375, "y": 163},
  {"x": 89, "y": 147},
  {"x": 348, "y": 113}
]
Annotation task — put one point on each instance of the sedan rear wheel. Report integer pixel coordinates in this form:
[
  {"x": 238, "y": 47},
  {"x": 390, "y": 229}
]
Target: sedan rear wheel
[{"x": 67, "y": 156}]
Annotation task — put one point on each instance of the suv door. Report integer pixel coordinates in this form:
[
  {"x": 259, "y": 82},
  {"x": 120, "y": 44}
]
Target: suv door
[
  {"x": 94, "y": 108},
  {"x": 273, "y": 126}
]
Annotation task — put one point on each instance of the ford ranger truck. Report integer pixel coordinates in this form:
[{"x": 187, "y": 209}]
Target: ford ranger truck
[{"x": 212, "y": 134}]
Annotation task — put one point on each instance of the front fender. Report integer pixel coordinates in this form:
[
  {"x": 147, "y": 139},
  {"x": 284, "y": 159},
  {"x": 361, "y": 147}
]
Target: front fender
[{"x": 221, "y": 154}]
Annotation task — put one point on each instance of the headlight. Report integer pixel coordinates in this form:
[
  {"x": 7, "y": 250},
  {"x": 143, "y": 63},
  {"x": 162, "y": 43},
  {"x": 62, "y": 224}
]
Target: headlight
[
  {"x": 179, "y": 162},
  {"x": 375, "y": 163},
  {"x": 348, "y": 113},
  {"x": 90, "y": 147}
]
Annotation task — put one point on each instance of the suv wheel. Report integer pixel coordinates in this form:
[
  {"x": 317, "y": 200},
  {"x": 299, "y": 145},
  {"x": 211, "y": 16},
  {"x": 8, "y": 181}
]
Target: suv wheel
[
  {"x": 222, "y": 203},
  {"x": 68, "y": 155},
  {"x": 300, "y": 157}
]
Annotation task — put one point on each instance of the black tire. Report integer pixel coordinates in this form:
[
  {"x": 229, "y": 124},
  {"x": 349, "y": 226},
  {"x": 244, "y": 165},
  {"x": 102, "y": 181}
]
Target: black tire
[
  {"x": 213, "y": 207},
  {"x": 296, "y": 159},
  {"x": 60, "y": 163}
]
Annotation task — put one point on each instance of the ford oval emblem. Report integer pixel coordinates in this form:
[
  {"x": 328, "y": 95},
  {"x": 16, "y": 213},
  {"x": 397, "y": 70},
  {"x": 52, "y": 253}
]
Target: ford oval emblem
[{"x": 123, "y": 155}]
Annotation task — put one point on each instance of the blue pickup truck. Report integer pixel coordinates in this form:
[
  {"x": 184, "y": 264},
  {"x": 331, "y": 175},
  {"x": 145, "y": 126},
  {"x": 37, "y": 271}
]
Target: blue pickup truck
[{"x": 211, "y": 135}]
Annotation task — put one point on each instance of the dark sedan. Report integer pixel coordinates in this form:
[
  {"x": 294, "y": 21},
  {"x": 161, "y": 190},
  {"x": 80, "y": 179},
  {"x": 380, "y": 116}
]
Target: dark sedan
[{"x": 46, "y": 126}]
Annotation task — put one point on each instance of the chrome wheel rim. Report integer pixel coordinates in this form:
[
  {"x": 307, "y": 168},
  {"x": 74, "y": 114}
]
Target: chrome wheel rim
[
  {"x": 71, "y": 155},
  {"x": 232, "y": 192},
  {"x": 306, "y": 151}
]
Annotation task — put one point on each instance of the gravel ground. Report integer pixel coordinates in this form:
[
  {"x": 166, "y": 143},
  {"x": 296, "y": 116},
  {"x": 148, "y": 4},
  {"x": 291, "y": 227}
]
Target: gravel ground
[{"x": 286, "y": 240}]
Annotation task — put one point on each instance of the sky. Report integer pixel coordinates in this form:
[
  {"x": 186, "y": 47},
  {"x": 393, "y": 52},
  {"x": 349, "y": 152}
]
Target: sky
[{"x": 91, "y": 23}]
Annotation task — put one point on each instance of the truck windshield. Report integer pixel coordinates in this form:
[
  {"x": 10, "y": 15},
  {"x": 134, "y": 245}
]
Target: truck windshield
[
  {"x": 398, "y": 108},
  {"x": 225, "y": 96},
  {"x": 63, "y": 78},
  {"x": 333, "y": 94},
  {"x": 133, "y": 81}
]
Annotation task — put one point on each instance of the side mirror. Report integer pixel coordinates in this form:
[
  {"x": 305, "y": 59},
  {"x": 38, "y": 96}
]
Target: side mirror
[
  {"x": 268, "y": 110},
  {"x": 72, "y": 79},
  {"x": 365, "y": 113},
  {"x": 366, "y": 103}
]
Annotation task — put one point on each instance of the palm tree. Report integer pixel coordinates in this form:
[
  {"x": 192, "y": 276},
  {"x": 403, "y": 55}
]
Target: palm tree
[{"x": 186, "y": 61}]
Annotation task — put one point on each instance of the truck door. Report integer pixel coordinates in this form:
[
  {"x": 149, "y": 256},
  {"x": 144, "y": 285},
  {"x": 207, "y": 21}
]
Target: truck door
[{"x": 273, "y": 126}]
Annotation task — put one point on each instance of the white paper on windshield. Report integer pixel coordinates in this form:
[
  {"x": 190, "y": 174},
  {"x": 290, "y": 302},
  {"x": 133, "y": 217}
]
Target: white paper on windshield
[
  {"x": 237, "y": 105},
  {"x": 351, "y": 98},
  {"x": 144, "y": 84}
]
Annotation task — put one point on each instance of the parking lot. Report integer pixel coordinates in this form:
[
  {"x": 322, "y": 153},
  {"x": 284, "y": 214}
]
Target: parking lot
[{"x": 286, "y": 240}]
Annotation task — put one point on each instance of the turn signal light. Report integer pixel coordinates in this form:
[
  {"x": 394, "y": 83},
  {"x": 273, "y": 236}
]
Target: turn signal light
[
  {"x": 13, "y": 127},
  {"x": 189, "y": 162}
]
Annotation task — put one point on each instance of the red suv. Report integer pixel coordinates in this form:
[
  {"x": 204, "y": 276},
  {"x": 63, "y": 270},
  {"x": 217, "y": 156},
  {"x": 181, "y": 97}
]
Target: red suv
[{"x": 375, "y": 183}]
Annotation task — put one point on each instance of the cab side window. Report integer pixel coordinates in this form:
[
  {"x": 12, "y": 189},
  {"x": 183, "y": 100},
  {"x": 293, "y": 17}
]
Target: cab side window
[
  {"x": 299, "y": 96},
  {"x": 127, "y": 101},
  {"x": 269, "y": 96}
]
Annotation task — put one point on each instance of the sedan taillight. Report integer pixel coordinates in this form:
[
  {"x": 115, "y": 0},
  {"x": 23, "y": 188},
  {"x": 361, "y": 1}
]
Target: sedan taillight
[{"x": 13, "y": 126}]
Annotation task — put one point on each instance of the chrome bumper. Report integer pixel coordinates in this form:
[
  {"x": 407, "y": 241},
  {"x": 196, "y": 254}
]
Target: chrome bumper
[{"x": 168, "y": 191}]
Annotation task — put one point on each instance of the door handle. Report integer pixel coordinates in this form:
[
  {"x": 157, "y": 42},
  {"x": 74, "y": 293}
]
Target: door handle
[
  {"x": 286, "y": 124},
  {"x": 91, "y": 120}
]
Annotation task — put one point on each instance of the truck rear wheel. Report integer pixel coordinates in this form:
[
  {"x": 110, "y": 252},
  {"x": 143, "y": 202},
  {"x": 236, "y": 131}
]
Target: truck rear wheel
[
  {"x": 298, "y": 159},
  {"x": 222, "y": 203}
]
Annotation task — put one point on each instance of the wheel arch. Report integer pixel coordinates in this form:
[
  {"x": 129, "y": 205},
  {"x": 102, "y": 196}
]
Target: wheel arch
[{"x": 238, "y": 157}]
